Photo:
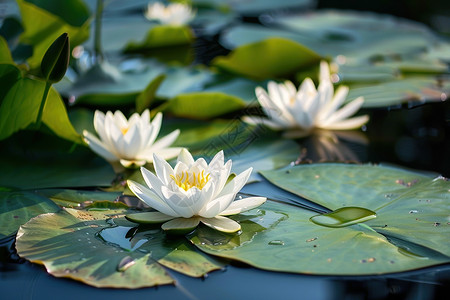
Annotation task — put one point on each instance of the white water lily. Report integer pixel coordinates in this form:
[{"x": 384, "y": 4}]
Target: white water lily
[
  {"x": 300, "y": 111},
  {"x": 193, "y": 192},
  {"x": 172, "y": 14},
  {"x": 130, "y": 142}
]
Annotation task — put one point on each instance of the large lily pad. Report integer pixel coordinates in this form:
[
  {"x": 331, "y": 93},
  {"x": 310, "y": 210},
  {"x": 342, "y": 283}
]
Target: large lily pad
[
  {"x": 409, "y": 231},
  {"x": 88, "y": 246}
]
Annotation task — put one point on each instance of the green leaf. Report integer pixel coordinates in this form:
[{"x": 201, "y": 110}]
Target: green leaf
[
  {"x": 9, "y": 75},
  {"x": 18, "y": 207},
  {"x": 74, "y": 12},
  {"x": 145, "y": 99},
  {"x": 43, "y": 27},
  {"x": 163, "y": 36},
  {"x": 88, "y": 246},
  {"x": 56, "y": 59},
  {"x": 202, "y": 105},
  {"x": 272, "y": 57},
  {"x": 20, "y": 106},
  {"x": 19, "y": 109},
  {"x": 5, "y": 54},
  {"x": 56, "y": 118}
]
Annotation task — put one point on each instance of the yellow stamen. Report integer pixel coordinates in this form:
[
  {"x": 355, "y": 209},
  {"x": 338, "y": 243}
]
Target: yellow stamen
[
  {"x": 196, "y": 180},
  {"x": 124, "y": 130}
]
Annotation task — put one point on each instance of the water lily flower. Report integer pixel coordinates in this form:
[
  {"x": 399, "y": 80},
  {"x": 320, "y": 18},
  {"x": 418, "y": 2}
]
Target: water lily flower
[
  {"x": 130, "y": 142},
  {"x": 300, "y": 111},
  {"x": 192, "y": 192},
  {"x": 172, "y": 14}
]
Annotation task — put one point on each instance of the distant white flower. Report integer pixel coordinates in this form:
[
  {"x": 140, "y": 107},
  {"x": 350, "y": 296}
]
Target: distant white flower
[
  {"x": 192, "y": 192},
  {"x": 130, "y": 142},
  {"x": 172, "y": 14},
  {"x": 300, "y": 111}
]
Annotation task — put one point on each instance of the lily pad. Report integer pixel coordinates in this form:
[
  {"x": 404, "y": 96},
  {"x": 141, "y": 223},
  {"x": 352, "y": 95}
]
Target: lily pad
[
  {"x": 88, "y": 246},
  {"x": 409, "y": 230},
  {"x": 202, "y": 105},
  {"x": 163, "y": 36},
  {"x": 267, "y": 59},
  {"x": 18, "y": 207},
  {"x": 412, "y": 89}
]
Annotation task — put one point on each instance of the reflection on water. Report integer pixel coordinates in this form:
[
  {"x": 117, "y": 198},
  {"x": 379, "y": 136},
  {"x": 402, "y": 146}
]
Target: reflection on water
[
  {"x": 329, "y": 146},
  {"x": 120, "y": 236}
]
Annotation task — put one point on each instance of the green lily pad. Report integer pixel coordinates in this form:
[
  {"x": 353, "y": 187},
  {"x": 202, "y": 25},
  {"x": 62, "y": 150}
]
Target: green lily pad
[
  {"x": 163, "y": 36},
  {"x": 409, "y": 231},
  {"x": 267, "y": 59},
  {"x": 412, "y": 89},
  {"x": 18, "y": 207},
  {"x": 88, "y": 246},
  {"x": 202, "y": 105},
  {"x": 253, "y": 7}
]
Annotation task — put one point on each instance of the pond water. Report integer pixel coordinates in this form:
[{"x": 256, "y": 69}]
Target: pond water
[{"x": 413, "y": 135}]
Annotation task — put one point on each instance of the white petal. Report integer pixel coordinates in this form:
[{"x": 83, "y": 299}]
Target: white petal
[
  {"x": 154, "y": 129},
  {"x": 236, "y": 184},
  {"x": 166, "y": 141},
  {"x": 163, "y": 169},
  {"x": 99, "y": 124},
  {"x": 132, "y": 142},
  {"x": 351, "y": 123},
  {"x": 223, "y": 224},
  {"x": 324, "y": 71},
  {"x": 215, "y": 207},
  {"x": 132, "y": 163},
  {"x": 263, "y": 121},
  {"x": 150, "y": 198},
  {"x": 344, "y": 112},
  {"x": 181, "y": 203},
  {"x": 221, "y": 179},
  {"x": 98, "y": 147},
  {"x": 153, "y": 182},
  {"x": 336, "y": 102},
  {"x": 168, "y": 153},
  {"x": 270, "y": 108},
  {"x": 217, "y": 161},
  {"x": 120, "y": 119},
  {"x": 185, "y": 157},
  {"x": 243, "y": 205}
]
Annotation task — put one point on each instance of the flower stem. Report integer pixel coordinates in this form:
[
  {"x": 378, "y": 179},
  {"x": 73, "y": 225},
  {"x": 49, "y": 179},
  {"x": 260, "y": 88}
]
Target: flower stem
[
  {"x": 97, "y": 33},
  {"x": 43, "y": 102}
]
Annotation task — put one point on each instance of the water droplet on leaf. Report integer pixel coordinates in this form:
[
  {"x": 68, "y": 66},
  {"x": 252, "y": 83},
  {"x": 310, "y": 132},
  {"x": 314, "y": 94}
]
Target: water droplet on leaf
[
  {"x": 344, "y": 216},
  {"x": 276, "y": 242},
  {"x": 125, "y": 263}
]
